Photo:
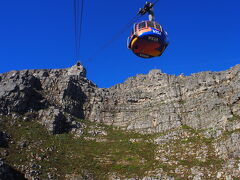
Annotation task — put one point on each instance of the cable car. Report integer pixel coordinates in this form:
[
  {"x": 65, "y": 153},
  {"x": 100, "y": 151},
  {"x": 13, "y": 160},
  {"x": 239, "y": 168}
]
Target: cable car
[{"x": 148, "y": 39}]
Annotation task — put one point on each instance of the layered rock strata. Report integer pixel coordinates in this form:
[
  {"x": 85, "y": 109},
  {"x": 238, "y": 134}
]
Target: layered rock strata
[
  {"x": 158, "y": 102},
  {"x": 155, "y": 102}
]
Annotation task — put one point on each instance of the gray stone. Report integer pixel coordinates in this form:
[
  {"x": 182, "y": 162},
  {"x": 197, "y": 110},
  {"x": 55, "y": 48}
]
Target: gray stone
[
  {"x": 229, "y": 147},
  {"x": 23, "y": 144},
  {"x": 19, "y": 93},
  {"x": 54, "y": 120},
  {"x": 158, "y": 102}
]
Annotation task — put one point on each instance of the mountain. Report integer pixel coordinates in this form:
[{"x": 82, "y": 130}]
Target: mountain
[{"x": 57, "y": 124}]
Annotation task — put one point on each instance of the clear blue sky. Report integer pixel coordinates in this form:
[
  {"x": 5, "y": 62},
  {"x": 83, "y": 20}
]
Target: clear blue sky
[{"x": 38, "y": 34}]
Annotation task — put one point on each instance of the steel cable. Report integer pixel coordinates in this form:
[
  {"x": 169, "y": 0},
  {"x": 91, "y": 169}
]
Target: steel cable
[
  {"x": 155, "y": 2},
  {"x": 78, "y": 21},
  {"x": 115, "y": 37}
]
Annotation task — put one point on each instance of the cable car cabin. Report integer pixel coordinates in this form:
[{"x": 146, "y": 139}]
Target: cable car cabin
[{"x": 148, "y": 39}]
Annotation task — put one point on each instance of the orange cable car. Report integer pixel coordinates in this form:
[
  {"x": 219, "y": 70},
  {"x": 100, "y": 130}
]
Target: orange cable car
[{"x": 148, "y": 39}]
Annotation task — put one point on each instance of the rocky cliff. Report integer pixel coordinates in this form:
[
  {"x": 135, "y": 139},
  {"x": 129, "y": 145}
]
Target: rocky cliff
[
  {"x": 155, "y": 103},
  {"x": 150, "y": 103},
  {"x": 53, "y": 96}
]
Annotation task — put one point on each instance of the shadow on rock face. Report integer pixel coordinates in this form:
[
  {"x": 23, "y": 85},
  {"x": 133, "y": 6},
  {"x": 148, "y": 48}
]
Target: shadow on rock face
[
  {"x": 73, "y": 99},
  {"x": 20, "y": 93},
  {"x": 8, "y": 173},
  {"x": 4, "y": 138}
]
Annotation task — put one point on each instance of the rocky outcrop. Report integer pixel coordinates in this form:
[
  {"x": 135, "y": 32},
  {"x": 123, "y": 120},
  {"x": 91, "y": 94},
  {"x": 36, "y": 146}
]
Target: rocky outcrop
[
  {"x": 158, "y": 102},
  {"x": 53, "y": 94},
  {"x": 150, "y": 103},
  {"x": 56, "y": 122},
  {"x": 229, "y": 147},
  {"x": 19, "y": 92}
]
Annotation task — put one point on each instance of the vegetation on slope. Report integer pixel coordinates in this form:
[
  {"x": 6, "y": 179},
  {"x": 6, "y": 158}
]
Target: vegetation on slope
[
  {"x": 103, "y": 152},
  {"x": 87, "y": 155}
]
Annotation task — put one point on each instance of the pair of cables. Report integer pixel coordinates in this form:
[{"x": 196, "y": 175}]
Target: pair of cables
[{"x": 78, "y": 22}]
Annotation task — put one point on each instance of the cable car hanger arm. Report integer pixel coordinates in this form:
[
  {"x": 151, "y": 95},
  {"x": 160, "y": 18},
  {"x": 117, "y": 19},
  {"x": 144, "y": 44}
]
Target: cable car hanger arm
[{"x": 148, "y": 8}]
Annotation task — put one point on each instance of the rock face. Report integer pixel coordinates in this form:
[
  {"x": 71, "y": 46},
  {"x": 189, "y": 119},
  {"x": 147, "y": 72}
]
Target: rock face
[
  {"x": 150, "y": 103},
  {"x": 50, "y": 93},
  {"x": 19, "y": 92},
  {"x": 158, "y": 102}
]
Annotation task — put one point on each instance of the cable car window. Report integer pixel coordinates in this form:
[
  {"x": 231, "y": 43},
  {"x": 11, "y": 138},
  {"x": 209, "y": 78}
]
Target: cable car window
[
  {"x": 150, "y": 24},
  {"x": 141, "y": 25},
  {"x": 158, "y": 26}
]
